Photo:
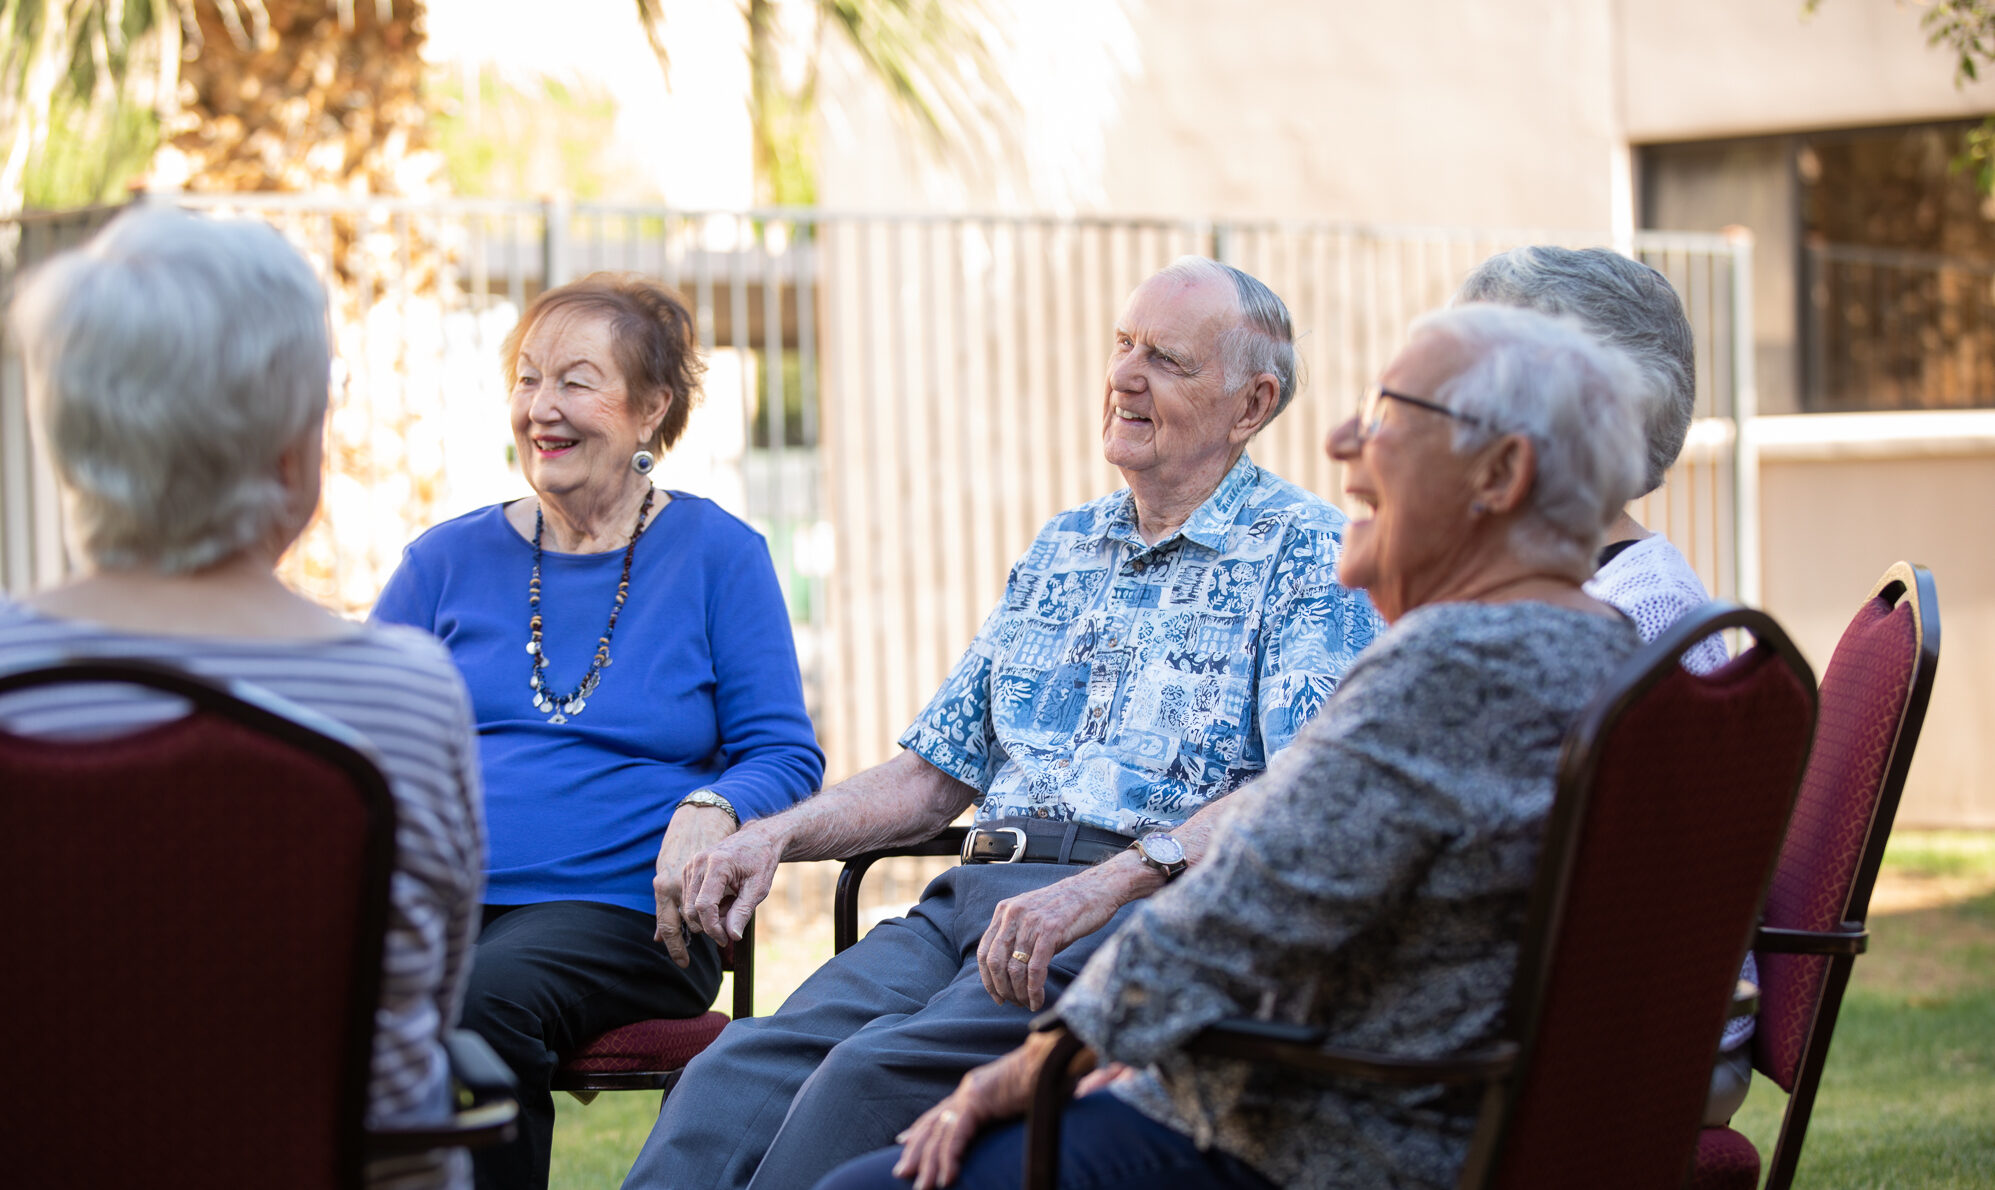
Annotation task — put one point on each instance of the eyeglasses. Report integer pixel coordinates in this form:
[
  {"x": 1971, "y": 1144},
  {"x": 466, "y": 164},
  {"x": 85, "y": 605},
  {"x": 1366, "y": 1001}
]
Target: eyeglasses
[{"x": 1374, "y": 412}]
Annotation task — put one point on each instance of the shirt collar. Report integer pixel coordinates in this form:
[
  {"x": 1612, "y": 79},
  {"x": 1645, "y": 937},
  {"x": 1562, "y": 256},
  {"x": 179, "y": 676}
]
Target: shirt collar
[{"x": 1208, "y": 524}]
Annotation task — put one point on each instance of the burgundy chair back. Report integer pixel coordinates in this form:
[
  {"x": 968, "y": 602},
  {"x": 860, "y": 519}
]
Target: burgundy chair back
[
  {"x": 1674, "y": 789},
  {"x": 1874, "y": 697},
  {"x": 1829, "y": 862},
  {"x": 196, "y": 913}
]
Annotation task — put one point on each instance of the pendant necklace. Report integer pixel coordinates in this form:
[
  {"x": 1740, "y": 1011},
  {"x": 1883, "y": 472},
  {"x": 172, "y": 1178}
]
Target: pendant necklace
[{"x": 572, "y": 704}]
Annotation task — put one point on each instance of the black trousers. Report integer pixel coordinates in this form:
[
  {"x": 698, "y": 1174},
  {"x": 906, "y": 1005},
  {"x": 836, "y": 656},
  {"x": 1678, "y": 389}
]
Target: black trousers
[{"x": 545, "y": 979}]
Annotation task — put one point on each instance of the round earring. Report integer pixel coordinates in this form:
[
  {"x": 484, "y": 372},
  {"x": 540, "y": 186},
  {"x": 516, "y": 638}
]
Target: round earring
[
  {"x": 1478, "y": 508},
  {"x": 643, "y": 461}
]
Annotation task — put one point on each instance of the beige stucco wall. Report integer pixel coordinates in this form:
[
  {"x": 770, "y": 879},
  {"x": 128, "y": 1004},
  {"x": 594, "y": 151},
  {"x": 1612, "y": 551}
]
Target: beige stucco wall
[
  {"x": 1830, "y": 526},
  {"x": 1701, "y": 69},
  {"x": 1449, "y": 112}
]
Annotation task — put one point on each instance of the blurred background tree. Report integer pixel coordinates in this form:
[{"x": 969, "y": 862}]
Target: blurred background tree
[{"x": 328, "y": 95}]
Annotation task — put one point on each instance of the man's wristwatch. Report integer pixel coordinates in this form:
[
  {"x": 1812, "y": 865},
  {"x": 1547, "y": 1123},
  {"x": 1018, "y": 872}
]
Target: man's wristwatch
[
  {"x": 1161, "y": 852},
  {"x": 707, "y": 797}
]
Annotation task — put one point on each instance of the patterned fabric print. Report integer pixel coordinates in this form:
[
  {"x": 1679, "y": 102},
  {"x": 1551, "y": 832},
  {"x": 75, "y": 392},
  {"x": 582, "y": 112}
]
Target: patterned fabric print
[
  {"x": 1373, "y": 883},
  {"x": 1863, "y": 696},
  {"x": 1126, "y": 685},
  {"x": 1653, "y": 583}
]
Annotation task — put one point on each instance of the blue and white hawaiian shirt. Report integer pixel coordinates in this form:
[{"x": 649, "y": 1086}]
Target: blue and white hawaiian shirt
[{"x": 1126, "y": 685}]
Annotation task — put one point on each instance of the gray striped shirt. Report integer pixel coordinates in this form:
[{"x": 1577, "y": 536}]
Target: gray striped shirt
[{"x": 398, "y": 688}]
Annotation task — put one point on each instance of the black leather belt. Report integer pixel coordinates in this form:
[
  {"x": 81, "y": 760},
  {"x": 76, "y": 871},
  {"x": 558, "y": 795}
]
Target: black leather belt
[{"x": 1040, "y": 841}]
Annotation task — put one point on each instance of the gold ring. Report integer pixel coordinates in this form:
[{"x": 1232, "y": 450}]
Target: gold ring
[{"x": 1019, "y": 956}]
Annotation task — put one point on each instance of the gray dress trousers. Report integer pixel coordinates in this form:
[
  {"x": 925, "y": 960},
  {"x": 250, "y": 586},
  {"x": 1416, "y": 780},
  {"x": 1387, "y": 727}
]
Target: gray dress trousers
[{"x": 871, "y": 1040}]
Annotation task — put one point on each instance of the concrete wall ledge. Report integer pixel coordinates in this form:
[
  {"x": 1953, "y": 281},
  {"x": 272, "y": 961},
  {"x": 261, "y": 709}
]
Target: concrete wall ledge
[{"x": 1821, "y": 437}]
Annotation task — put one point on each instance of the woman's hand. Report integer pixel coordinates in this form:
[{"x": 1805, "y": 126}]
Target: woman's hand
[
  {"x": 932, "y": 1149},
  {"x": 693, "y": 829}
]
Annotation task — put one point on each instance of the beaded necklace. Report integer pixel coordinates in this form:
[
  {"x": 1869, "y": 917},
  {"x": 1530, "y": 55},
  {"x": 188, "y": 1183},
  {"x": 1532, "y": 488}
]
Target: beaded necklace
[{"x": 573, "y": 703}]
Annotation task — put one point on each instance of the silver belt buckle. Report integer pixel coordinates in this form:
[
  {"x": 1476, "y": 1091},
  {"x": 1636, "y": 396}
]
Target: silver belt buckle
[{"x": 1017, "y": 847}]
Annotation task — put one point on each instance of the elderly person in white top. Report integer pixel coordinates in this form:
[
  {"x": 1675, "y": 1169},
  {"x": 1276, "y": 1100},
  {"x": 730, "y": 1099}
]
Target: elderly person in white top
[
  {"x": 1374, "y": 882},
  {"x": 177, "y": 370},
  {"x": 1632, "y": 306},
  {"x": 1153, "y": 650}
]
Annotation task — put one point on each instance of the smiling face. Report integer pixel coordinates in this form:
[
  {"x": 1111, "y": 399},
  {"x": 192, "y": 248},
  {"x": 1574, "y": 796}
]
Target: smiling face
[
  {"x": 572, "y": 416},
  {"x": 1167, "y": 416},
  {"x": 1408, "y": 492}
]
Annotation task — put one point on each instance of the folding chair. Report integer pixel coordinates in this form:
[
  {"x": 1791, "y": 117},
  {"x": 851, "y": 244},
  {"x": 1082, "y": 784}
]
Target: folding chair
[
  {"x": 1673, "y": 790},
  {"x": 651, "y": 1055},
  {"x": 1874, "y": 696},
  {"x": 197, "y": 913}
]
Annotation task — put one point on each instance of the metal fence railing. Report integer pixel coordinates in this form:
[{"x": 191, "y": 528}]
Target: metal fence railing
[
  {"x": 1893, "y": 329},
  {"x": 897, "y": 402}
]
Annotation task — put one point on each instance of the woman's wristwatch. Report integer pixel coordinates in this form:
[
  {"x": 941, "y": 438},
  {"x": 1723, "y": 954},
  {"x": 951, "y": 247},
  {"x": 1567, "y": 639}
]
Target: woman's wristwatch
[{"x": 707, "y": 797}]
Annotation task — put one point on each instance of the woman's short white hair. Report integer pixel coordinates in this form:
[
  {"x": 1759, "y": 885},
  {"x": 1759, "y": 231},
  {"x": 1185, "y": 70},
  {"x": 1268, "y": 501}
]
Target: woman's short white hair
[
  {"x": 1574, "y": 397},
  {"x": 169, "y": 362},
  {"x": 1622, "y": 302}
]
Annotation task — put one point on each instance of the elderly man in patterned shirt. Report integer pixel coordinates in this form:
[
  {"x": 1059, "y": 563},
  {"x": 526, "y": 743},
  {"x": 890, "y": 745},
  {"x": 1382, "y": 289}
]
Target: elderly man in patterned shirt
[{"x": 1152, "y": 650}]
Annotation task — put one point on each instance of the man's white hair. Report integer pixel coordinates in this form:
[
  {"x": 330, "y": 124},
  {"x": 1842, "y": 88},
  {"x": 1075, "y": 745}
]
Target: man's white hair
[{"x": 1264, "y": 339}]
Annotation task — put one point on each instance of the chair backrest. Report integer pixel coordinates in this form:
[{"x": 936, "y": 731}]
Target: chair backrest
[
  {"x": 1673, "y": 791},
  {"x": 1874, "y": 696},
  {"x": 196, "y": 913}
]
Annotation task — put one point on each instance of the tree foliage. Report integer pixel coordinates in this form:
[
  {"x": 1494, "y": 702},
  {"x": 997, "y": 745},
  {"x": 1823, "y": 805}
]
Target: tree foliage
[{"x": 933, "y": 57}]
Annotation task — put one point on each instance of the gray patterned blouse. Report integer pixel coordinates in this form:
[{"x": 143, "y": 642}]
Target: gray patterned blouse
[{"x": 1373, "y": 883}]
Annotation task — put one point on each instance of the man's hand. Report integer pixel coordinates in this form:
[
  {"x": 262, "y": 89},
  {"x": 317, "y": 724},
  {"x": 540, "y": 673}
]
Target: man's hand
[
  {"x": 693, "y": 829},
  {"x": 933, "y": 1147},
  {"x": 725, "y": 882},
  {"x": 1040, "y": 924}
]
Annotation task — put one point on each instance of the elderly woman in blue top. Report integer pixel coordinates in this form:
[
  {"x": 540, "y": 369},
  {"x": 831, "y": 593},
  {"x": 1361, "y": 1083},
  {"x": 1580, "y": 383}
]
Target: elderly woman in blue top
[
  {"x": 1373, "y": 883},
  {"x": 634, "y": 682}
]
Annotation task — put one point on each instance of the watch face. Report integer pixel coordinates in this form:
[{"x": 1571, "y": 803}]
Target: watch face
[{"x": 1163, "y": 849}]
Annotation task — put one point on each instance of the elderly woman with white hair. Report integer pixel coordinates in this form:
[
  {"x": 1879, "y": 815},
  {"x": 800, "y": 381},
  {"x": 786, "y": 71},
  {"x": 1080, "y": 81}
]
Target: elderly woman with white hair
[
  {"x": 1627, "y": 304},
  {"x": 177, "y": 370},
  {"x": 1631, "y": 306},
  {"x": 1373, "y": 882}
]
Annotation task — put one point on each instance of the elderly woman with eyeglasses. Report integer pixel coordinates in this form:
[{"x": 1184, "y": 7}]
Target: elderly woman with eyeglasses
[{"x": 1378, "y": 887}]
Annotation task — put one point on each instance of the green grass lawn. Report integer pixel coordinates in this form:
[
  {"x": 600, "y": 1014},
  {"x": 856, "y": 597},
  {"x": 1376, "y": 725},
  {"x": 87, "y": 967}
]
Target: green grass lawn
[{"x": 1907, "y": 1100}]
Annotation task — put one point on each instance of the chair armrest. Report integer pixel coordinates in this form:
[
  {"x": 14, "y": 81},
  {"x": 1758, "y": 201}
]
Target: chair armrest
[
  {"x": 477, "y": 1069},
  {"x": 1302, "y": 1047},
  {"x": 1849, "y": 938},
  {"x": 487, "y": 1107},
  {"x": 1745, "y": 1000},
  {"x": 845, "y": 900}
]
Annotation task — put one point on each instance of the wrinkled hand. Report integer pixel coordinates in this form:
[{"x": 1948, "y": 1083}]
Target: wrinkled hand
[
  {"x": 693, "y": 830},
  {"x": 933, "y": 1147},
  {"x": 725, "y": 882},
  {"x": 1039, "y": 924},
  {"x": 1103, "y": 1077}
]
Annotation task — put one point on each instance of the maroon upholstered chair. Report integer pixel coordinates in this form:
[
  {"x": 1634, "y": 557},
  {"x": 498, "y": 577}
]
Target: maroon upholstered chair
[
  {"x": 1874, "y": 696},
  {"x": 1673, "y": 791},
  {"x": 650, "y": 1055},
  {"x": 196, "y": 914}
]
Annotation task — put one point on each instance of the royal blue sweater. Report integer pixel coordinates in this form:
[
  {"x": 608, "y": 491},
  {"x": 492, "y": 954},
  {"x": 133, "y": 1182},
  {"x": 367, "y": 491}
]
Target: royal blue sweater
[{"x": 702, "y": 691}]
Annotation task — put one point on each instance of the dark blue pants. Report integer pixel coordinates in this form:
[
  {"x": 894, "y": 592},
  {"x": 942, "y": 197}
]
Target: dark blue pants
[
  {"x": 1104, "y": 1145},
  {"x": 546, "y": 979}
]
